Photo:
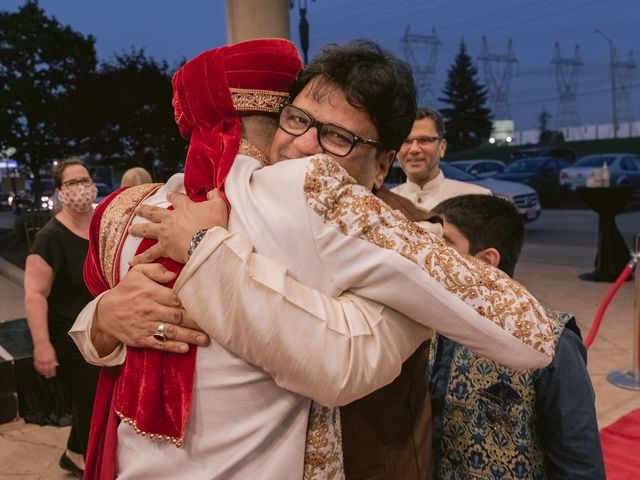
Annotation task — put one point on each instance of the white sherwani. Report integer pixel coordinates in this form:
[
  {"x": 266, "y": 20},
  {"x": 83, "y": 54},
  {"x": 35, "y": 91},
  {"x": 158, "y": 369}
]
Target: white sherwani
[
  {"x": 436, "y": 191},
  {"x": 241, "y": 425},
  {"x": 308, "y": 216}
]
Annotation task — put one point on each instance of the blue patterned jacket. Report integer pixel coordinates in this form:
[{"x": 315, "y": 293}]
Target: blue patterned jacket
[{"x": 493, "y": 422}]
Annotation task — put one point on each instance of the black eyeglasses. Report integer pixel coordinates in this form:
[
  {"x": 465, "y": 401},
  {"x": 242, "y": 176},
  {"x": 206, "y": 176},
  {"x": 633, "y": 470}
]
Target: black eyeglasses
[
  {"x": 333, "y": 138},
  {"x": 423, "y": 140},
  {"x": 74, "y": 182}
]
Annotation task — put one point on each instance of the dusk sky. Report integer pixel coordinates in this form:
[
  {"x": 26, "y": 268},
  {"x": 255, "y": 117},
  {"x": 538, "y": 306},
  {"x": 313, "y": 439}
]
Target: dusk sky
[{"x": 172, "y": 30}]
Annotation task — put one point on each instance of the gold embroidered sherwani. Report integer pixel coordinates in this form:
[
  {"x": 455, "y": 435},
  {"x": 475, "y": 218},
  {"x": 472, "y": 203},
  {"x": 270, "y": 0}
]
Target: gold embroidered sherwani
[
  {"x": 334, "y": 235},
  {"x": 328, "y": 344}
]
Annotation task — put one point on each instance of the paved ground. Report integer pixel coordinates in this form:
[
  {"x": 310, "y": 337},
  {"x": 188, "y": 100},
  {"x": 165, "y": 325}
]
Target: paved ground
[
  {"x": 612, "y": 349},
  {"x": 558, "y": 246},
  {"x": 7, "y": 219}
]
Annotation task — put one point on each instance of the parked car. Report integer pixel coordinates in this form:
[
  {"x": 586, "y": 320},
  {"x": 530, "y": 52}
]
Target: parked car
[
  {"x": 24, "y": 201},
  {"x": 103, "y": 191},
  {"x": 624, "y": 168},
  {"x": 559, "y": 152},
  {"x": 5, "y": 200},
  {"x": 522, "y": 196},
  {"x": 395, "y": 176},
  {"x": 481, "y": 168},
  {"x": 537, "y": 172}
]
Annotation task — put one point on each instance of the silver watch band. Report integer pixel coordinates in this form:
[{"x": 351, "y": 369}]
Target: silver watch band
[{"x": 195, "y": 240}]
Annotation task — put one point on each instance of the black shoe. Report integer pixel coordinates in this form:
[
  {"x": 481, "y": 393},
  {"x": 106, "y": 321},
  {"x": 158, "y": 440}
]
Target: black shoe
[{"x": 67, "y": 464}]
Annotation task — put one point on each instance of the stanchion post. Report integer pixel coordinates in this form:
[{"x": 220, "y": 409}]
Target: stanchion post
[
  {"x": 636, "y": 307},
  {"x": 631, "y": 380}
]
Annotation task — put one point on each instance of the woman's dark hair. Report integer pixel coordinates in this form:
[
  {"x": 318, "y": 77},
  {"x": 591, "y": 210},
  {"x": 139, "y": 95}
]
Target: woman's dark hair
[
  {"x": 371, "y": 79},
  {"x": 62, "y": 166}
]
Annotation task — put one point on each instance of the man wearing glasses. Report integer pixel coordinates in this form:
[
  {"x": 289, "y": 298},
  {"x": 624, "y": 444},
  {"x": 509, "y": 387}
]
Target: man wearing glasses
[
  {"x": 420, "y": 156},
  {"x": 317, "y": 217},
  {"x": 331, "y": 137}
]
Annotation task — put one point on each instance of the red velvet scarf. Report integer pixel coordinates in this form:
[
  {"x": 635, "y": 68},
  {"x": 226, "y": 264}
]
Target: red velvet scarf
[{"x": 153, "y": 389}]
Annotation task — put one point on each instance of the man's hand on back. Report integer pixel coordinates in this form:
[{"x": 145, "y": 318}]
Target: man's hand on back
[
  {"x": 174, "y": 229},
  {"x": 131, "y": 312}
]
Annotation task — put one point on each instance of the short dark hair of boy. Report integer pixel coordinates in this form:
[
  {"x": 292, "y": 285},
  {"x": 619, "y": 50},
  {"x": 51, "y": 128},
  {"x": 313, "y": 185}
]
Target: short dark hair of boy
[{"x": 487, "y": 222}]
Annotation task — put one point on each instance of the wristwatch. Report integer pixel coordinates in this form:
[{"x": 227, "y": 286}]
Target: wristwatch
[{"x": 195, "y": 240}]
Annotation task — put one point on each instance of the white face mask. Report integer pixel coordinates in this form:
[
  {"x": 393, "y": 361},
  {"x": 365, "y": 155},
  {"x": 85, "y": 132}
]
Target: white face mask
[{"x": 80, "y": 198}]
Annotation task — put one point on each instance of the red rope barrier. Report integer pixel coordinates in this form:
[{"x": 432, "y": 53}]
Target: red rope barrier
[{"x": 595, "y": 326}]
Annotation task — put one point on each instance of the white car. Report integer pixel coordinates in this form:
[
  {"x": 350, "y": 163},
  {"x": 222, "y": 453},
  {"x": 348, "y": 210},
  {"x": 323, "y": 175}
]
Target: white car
[
  {"x": 624, "y": 168},
  {"x": 481, "y": 168},
  {"x": 522, "y": 196}
]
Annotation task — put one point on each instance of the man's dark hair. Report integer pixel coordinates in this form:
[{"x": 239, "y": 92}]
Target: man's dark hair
[
  {"x": 486, "y": 221},
  {"x": 371, "y": 79},
  {"x": 62, "y": 166},
  {"x": 433, "y": 115}
]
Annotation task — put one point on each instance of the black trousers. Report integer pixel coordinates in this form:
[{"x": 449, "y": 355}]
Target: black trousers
[{"x": 80, "y": 379}]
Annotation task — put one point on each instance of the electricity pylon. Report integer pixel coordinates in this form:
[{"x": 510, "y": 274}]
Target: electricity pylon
[
  {"x": 567, "y": 71},
  {"x": 498, "y": 70},
  {"x": 421, "y": 53}
]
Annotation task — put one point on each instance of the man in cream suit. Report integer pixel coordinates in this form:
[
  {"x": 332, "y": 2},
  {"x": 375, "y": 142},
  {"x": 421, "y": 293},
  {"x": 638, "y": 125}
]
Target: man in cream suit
[
  {"x": 420, "y": 156},
  {"x": 323, "y": 348}
]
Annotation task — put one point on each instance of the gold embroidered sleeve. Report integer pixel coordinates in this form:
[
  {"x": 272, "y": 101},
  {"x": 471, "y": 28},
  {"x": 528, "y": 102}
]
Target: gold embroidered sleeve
[{"x": 356, "y": 212}]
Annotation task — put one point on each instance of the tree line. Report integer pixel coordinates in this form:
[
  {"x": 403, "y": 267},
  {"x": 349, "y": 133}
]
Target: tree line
[{"x": 57, "y": 100}]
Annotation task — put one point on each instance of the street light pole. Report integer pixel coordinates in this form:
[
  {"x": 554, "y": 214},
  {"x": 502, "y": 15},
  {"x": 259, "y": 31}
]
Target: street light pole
[
  {"x": 614, "y": 108},
  {"x": 304, "y": 29}
]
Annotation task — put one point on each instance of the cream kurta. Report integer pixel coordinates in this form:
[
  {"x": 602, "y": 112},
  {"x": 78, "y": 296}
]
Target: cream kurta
[
  {"x": 436, "y": 190},
  {"x": 242, "y": 425},
  {"x": 325, "y": 349}
]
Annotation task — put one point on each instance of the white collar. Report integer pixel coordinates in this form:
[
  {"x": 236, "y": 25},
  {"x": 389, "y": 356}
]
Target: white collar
[{"x": 429, "y": 186}]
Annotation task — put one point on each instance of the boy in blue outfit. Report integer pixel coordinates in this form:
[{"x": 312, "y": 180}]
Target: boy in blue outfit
[{"x": 493, "y": 422}]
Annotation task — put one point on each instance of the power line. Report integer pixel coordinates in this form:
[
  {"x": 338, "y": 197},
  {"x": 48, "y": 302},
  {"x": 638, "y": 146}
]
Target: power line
[
  {"x": 567, "y": 72},
  {"x": 555, "y": 98},
  {"x": 535, "y": 82}
]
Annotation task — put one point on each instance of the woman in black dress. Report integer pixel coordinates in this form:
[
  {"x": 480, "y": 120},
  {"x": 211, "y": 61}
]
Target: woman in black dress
[{"x": 55, "y": 294}]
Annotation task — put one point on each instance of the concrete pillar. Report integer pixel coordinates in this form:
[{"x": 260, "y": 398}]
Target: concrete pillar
[{"x": 249, "y": 19}]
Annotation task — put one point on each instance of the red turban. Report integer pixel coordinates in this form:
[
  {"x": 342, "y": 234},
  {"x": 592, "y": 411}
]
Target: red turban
[
  {"x": 153, "y": 389},
  {"x": 214, "y": 89}
]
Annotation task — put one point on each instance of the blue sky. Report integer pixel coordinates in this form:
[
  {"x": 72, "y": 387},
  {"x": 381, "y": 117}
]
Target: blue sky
[{"x": 171, "y": 30}]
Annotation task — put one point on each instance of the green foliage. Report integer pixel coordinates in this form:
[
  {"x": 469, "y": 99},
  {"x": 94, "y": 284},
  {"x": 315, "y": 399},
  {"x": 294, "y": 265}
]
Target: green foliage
[
  {"x": 551, "y": 137},
  {"x": 55, "y": 102},
  {"x": 41, "y": 63},
  {"x": 543, "y": 119},
  {"x": 467, "y": 121},
  {"x": 123, "y": 112}
]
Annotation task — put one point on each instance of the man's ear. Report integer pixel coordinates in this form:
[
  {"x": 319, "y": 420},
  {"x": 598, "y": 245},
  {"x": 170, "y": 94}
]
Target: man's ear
[
  {"x": 384, "y": 160},
  {"x": 442, "y": 148},
  {"x": 489, "y": 255}
]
